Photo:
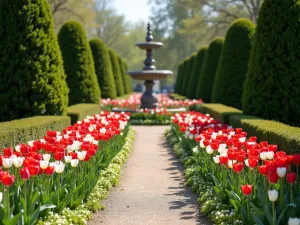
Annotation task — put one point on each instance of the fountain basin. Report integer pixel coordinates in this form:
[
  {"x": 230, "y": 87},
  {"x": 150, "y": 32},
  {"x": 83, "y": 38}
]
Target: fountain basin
[
  {"x": 149, "y": 74},
  {"x": 149, "y": 45}
]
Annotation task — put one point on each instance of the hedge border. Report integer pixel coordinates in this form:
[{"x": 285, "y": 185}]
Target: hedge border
[
  {"x": 80, "y": 111},
  {"x": 21, "y": 131}
]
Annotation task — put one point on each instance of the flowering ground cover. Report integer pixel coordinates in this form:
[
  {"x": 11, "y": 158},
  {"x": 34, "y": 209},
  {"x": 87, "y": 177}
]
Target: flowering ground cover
[
  {"x": 60, "y": 171},
  {"x": 237, "y": 177}
]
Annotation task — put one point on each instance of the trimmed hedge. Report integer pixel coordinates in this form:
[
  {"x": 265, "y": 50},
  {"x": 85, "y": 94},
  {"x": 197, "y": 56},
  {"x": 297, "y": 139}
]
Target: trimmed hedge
[
  {"x": 79, "y": 64},
  {"x": 196, "y": 72},
  {"x": 286, "y": 137},
  {"x": 209, "y": 69},
  {"x": 80, "y": 111},
  {"x": 33, "y": 128},
  {"x": 32, "y": 78},
  {"x": 183, "y": 76},
  {"x": 188, "y": 74},
  {"x": 103, "y": 68},
  {"x": 272, "y": 85},
  {"x": 220, "y": 112},
  {"x": 123, "y": 75},
  {"x": 179, "y": 69},
  {"x": 233, "y": 66},
  {"x": 116, "y": 72}
]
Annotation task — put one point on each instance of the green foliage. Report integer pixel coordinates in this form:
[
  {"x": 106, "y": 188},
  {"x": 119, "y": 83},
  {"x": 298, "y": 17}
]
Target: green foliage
[
  {"x": 220, "y": 112},
  {"x": 33, "y": 128},
  {"x": 81, "y": 111},
  {"x": 176, "y": 96},
  {"x": 176, "y": 88},
  {"x": 32, "y": 80},
  {"x": 128, "y": 79},
  {"x": 116, "y": 72},
  {"x": 188, "y": 74},
  {"x": 272, "y": 83},
  {"x": 209, "y": 68},
  {"x": 233, "y": 66},
  {"x": 78, "y": 64},
  {"x": 123, "y": 74},
  {"x": 286, "y": 137},
  {"x": 103, "y": 68},
  {"x": 196, "y": 72}
]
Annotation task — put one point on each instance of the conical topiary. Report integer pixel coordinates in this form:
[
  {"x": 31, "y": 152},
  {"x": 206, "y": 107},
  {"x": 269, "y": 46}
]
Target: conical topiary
[
  {"x": 188, "y": 74},
  {"x": 192, "y": 90},
  {"x": 123, "y": 75},
  {"x": 32, "y": 79},
  {"x": 182, "y": 76},
  {"x": 116, "y": 72},
  {"x": 128, "y": 79},
  {"x": 233, "y": 66},
  {"x": 78, "y": 64},
  {"x": 272, "y": 83},
  {"x": 176, "y": 89},
  {"x": 103, "y": 69},
  {"x": 209, "y": 69}
]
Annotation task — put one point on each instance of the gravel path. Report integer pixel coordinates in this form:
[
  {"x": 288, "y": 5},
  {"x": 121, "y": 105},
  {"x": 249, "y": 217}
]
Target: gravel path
[{"x": 151, "y": 189}]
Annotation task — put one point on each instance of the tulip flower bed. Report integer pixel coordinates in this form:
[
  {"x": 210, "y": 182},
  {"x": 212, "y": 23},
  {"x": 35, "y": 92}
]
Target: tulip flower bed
[
  {"x": 151, "y": 117},
  {"x": 59, "y": 171},
  {"x": 237, "y": 177}
]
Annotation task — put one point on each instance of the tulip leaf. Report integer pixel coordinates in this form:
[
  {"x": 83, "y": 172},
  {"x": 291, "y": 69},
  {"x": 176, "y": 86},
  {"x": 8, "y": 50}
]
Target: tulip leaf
[
  {"x": 282, "y": 213},
  {"x": 268, "y": 214},
  {"x": 14, "y": 220},
  {"x": 258, "y": 221}
]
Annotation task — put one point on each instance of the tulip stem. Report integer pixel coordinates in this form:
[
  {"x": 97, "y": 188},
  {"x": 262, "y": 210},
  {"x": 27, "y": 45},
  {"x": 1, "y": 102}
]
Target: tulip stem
[
  {"x": 273, "y": 210},
  {"x": 25, "y": 198},
  {"x": 248, "y": 209},
  {"x": 281, "y": 194},
  {"x": 291, "y": 195},
  {"x": 6, "y": 191}
]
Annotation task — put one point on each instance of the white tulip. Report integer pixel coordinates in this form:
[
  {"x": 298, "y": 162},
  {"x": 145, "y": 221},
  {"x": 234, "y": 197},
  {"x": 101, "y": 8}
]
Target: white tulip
[
  {"x": 294, "y": 221},
  {"x": 74, "y": 162},
  {"x": 68, "y": 158},
  {"x": 7, "y": 163},
  {"x": 216, "y": 159},
  {"x": 18, "y": 148},
  {"x": 13, "y": 157},
  {"x": 18, "y": 162},
  {"x": 243, "y": 139},
  {"x": 273, "y": 195},
  {"x": 30, "y": 143},
  {"x": 195, "y": 150},
  {"x": 209, "y": 150},
  {"x": 263, "y": 155},
  {"x": 230, "y": 163},
  {"x": 59, "y": 168},
  {"x": 1, "y": 196},
  {"x": 191, "y": 136},
  {"x": 102, "y": 130},
  {"x": 246, "y": 162},
  {"x": 44, "y": 164},
  {"x": 281, "y": 171},
  {"x": 81, "y": 155},
  {"x": 270, "y": 155},
  {"x": 201, "y": 144},
  {"x": 47, "y": 157}
]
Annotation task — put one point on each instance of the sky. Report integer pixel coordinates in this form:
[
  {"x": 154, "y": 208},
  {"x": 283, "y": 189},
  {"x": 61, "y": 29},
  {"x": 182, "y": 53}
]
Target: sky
[{"x": 133, "y": 10}]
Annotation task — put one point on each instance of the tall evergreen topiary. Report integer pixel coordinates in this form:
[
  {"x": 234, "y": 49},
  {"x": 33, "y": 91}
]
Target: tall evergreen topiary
[
  {"x": 209, "y": 69},
  {"x": 103, "y": 69},
  {"x": 78, "y": 64},
  {"x": 188, "y": 74},
  {"x": 233, "y": 66},
  {"x": 196, "y": 71},
  {"x": 272, "y": 83},
  {"x": 128, "y": 79},
  {"x": 32, "y": 79},
  {"x": 176, "y": 89},
  {"x": 123, "y": 75},
  {"x": 183, "y": 76},
  {"x": 116, "y": 72}
]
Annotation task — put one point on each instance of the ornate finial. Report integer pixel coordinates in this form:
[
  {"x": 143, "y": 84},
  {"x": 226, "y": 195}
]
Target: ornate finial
[{"x": 149, "y": 36}]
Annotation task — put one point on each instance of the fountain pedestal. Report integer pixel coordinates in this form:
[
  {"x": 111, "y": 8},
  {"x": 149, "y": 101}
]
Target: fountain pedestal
[{"x": 149, "y": 72}]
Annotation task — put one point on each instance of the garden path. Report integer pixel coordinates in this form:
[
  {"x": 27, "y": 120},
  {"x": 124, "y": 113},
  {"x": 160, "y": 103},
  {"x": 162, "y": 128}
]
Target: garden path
[{"x": 151, "y": 189}]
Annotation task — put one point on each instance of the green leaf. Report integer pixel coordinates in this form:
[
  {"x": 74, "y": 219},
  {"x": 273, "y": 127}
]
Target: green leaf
[
  {"x": 14, "y": 220},
  {"x": 268, "y": 214},
  {"x": 282, "y": 213},
  {"x": 258, "y": 221}
]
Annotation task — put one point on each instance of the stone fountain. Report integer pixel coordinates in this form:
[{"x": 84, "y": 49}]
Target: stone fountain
[{"x": 149, "y": 72}]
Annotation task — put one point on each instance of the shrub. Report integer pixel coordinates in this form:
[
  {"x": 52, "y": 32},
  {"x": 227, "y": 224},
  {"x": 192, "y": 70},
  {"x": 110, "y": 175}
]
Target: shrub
[
  {"x": 128, "y": 79},
  {"x": 103, "y": 68},
  {"x": 286, "y": 137},
  {"x": 179, "y": 69},
  {"x": 32, "y": 80},
  {"x": 233, "y": 66},
  {"x": 192, "y": 90},
  {"x": 209, "y": 69},
  {"x": 220, "y": 112},
  {"x": 182, "y": 77},
  {"x": 81, "y": 111},
  {"x": 188, "y": 73},
  {"x": 116, "y": 72},
  {"x": 78, "y": 64},
  {"x": 273, "y": 79},
  {"x": 33, "y": 128},
  {"x": 123, "y": 74}
]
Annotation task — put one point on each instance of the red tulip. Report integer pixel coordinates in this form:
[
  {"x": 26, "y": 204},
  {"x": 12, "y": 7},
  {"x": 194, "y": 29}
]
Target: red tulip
[
  {"x": 246, "y": 189},
  {"x": 34, "y": 170},
  {"x": 273, "y": 178},
  {"x": 49, "y": 170},
  {"x": 296, "y": 159},
  {"x": 7, "y": 152},
  {"x": 59, "y": 155},
  {"x": 289, "y": 159},
  {"x": 7, "y": 179},
  {"x": 223, "y": 160},
  {"x": 263, "y": 170},
  {"x": 24, "y": 173},
  {"x": 291, "y": 177},
  {"x": 252, "y": 162},
  {"x": 238, "y": 167},
  {"x": 0, "y": 160}
]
